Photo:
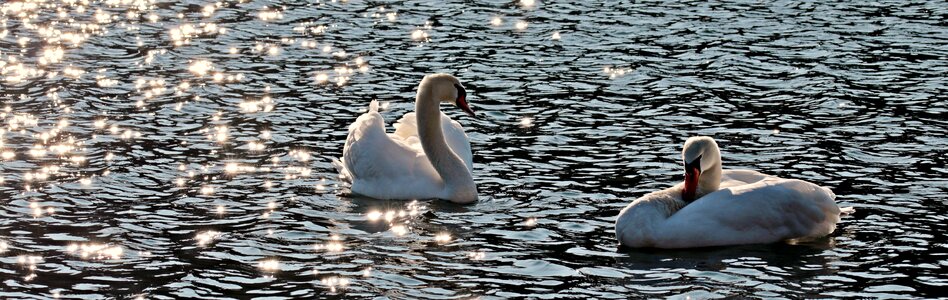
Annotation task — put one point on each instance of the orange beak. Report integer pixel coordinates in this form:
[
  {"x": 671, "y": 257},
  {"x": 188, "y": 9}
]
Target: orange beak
[
  {"x": 692, "y": 173},
  {"x": 461, "y": 101},
  {"x": 691, "y": 184}
]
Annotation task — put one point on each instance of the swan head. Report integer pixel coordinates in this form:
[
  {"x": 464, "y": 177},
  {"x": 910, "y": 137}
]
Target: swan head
[
  {"x": 702, "y": 161},
  {"x": 446, "y": 88}
]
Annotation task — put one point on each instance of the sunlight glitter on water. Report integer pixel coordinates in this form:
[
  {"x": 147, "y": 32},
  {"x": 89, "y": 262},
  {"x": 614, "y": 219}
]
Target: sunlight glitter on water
[
  {"x": 615, "y": 72},
  {"x": 332, "y": 246},
  {"x": 496, "y": 21},
  {"x": 373, "y": 215},
  {"x": 207, "y": 237},
  {"x": 140, "y": 84},
  {"x": 232, "y": 168},
  {"x": 335, "y": 282},
  {"x": 200, "y": 67},
  {"x": 419, "y": 35},
  {"x": 265, "y": 104},
  {"x": 476, "y": 255},
  {"x": 96, "y": 251},
  {"x": 39, "y": 211},
  {"x": 269, "y": 265},
  {"x": 207, "y": 190},
  {"x": 442, "y": 238},
  {"x": 29, "y": 260},
  {"x": 209, "y": 9},
  {"x": 321, "y": 78},
  {"x": 399, "y": 230},
  {"x": 268, "y": 14}
]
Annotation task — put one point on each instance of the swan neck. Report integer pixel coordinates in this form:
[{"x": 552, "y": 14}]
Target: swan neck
[
  {"x": 710, "y": 179},
  {"x": 453, "y": 171}
]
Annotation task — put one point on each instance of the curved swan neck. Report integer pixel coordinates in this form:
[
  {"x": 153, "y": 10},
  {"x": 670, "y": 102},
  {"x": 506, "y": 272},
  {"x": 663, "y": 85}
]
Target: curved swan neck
[
  {"x": 710, "y": 179},
  {"x": 704, "y": 150},
  {"x": 453, "y": 171}
]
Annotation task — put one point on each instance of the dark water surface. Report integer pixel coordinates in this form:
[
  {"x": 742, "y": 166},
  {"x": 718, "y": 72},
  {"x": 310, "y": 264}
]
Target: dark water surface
[{"x": 130, "y": 169}]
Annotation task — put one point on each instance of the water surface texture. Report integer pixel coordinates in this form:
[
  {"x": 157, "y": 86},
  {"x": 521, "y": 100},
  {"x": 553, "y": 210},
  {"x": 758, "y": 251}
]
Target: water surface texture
[{"x": 164, "y": 149}]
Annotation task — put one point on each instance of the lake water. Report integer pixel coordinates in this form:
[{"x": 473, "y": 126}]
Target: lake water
[{"x": 164, "y": 149}]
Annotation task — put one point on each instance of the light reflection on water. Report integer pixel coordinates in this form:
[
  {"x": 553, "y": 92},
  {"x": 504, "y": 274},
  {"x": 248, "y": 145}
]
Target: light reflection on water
[{"x": 183, "y": 148}]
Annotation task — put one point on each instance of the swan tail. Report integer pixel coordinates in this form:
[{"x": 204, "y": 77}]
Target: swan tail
[
  {"x": 374, "y": 106},
  {"x": 844, "y": 211},
  {"x": 344, "y": 173}
]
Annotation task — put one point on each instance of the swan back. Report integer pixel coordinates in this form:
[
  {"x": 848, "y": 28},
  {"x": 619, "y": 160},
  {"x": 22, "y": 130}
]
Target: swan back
[
  {"x": 428, "y": 156},
  {"x": 766, "y": 211},
  {"x": 732, "y": 207},
  {"x": 372, "y": 157}
]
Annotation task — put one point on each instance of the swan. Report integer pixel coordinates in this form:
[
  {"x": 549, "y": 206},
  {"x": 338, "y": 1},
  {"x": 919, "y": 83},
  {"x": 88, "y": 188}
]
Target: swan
[
  {"x": 715, "y": 207},
  {"x": 428, "y": 156}
]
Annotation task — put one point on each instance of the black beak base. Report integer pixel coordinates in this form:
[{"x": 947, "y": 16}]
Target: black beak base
[{"x": 461, "y": 101}]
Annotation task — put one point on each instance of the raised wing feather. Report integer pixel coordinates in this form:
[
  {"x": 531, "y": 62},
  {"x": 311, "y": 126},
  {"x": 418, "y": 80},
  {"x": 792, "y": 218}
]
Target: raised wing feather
[
  {"x": 406, "y": 129},
  {"x": 371, "y": 154}
]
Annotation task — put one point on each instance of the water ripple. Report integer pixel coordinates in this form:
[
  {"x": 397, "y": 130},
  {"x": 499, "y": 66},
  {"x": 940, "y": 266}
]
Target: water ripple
[{"x": 182, "y": 149}]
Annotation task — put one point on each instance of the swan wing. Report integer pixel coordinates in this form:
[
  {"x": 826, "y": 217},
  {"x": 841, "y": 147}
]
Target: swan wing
[
  {"x": 456, "y": 138},
  {"x": 369, "y": 152},
  {"x": 732, "y": 178},
  {"x": 383, "y": 166},
  {"x": 406, "y": 129},
  {"x": 766, "y": 211},
  {"x": 407, "y": 126}
]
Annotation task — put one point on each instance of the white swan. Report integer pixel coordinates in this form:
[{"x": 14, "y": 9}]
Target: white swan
[
  {"x": 428, "y": 155},
  {"x": 715, "y": 208}
]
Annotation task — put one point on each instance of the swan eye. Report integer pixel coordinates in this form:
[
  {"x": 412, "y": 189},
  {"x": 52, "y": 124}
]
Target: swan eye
[
  {"x": 694, "y": 164},
  {"x": 462, "y": 94},
  {"x": 461, "y": 101}
]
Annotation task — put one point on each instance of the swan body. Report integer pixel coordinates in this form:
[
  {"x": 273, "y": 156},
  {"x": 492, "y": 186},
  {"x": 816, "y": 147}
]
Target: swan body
[
  {"x": 428, "y": 155},
  {"x": 715, "y": 207}
]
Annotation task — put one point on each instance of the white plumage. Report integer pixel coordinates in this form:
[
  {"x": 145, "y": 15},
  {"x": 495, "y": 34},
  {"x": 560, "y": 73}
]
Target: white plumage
[
  {"x": 747, "y": 207},
  {"x": 397, "y": 166}
]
